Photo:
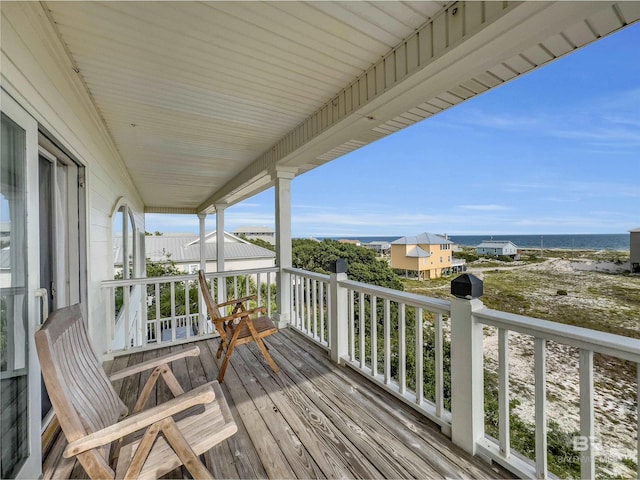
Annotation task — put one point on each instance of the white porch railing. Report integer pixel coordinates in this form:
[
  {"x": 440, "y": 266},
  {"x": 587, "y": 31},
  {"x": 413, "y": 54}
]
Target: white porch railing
[
  {"x": 440, "y": 371},
  {"x": 587, "y": 342},
  {"x": 156, "y": 311},
  {"x": 310, "y": 305},
  {"x": 429, "y": 353},
  {"x": 397, "y": 363},
  {"x": 362, "y": 310}
]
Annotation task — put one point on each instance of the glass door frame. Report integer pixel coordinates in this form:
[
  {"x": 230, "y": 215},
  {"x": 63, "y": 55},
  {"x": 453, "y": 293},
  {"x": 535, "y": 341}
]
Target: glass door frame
[
  {"x": 66, "y": 251},
  {"x": 32, "y": 468}
]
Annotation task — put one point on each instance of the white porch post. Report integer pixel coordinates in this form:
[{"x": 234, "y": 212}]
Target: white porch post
[
  {"x": 126, "y": 273},
  {"x": 203, "y": 266},
  {"x": 282, "y": 180},
  {"x": 222, "y": 283},
  {"x": 467, "y": 374},
  {"x": 338, "y": 311}
]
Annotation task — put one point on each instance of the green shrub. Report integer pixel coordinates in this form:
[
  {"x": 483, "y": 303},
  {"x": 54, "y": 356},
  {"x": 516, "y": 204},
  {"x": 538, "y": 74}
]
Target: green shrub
[
  {"x": 630, "y": 463},
  {"x": 562, "y": 292},
  {"x": 466, "y": 255},
  {"x": 561, "y": 457}
]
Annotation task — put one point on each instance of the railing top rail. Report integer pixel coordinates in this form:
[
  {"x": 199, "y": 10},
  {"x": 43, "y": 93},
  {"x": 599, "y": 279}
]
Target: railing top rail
[
  {"x": 305, "y": 273},
  {"x": 626, "y": 348},
  {"x": 182, "y": 278},
  {"x": 411, "y": 299},
  {"x": 251, "y": 271}
]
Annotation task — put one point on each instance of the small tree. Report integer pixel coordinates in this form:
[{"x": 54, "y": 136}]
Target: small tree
[
  {"x": 363, "y": 264},
  {"x": 168, "y": 269},
  {"x": 259, "y": 242}
]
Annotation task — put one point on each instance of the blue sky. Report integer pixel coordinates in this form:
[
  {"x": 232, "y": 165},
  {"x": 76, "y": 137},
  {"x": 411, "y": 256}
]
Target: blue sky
[{"x": 554, "y": 151}]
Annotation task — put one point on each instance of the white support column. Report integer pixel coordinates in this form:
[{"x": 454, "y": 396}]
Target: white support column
[
  {"x": 126, "y": 271},
  {"x": 467, "y": 375},
  {"x": 203, "y": 250},
  {"x": 203, "y": 266},
  {"x": 282, "y": 180},
  {"x": 222, "y": 294}
]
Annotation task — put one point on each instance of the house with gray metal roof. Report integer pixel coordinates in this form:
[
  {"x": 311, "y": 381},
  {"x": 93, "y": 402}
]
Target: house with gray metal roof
[
  {"x": 424, "y": 239},
  {"x": 427, "y": 255},
  {"x": 184, "y": 252},
  {"x": 256, "y": 233},
  {"x": 497, "y": 248},
  {"x": 378, "y": 247}
]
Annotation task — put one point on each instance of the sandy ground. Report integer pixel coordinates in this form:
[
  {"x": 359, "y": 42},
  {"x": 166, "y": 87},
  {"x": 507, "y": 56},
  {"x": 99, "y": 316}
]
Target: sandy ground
[
  {"x": 615, "y": 409},
  {"x": 615, "y": 404}
]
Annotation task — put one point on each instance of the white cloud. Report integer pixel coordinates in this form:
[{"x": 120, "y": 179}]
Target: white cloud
[
  {"x": 246, "y": 204},
  {"x": 610, "y": 121},
  {"x": 166, "y": 223},
  {"x": 485, "y": 208}
]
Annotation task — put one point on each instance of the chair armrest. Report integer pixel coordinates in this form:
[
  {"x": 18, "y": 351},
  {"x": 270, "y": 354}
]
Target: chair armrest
[
  {"x": 154, "y": 362},
  {"x": 238, "y": 300},
  {"x": 197, "y": 396},
  {"x": 246, "y": 313}
]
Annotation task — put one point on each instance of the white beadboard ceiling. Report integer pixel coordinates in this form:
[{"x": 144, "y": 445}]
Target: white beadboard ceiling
[{"x": 204, "y": 100}]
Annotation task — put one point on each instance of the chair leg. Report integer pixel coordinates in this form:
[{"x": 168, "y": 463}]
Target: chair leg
[
  {"x": 225, "y": 362},
  {"x": 220, "y": 348},
  {"x": 265, "y": 351},
  {"x": 183, "y": 450}
]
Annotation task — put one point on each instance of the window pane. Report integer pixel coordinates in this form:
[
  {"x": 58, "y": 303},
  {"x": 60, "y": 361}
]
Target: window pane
[{"x": 14, "y": 444}]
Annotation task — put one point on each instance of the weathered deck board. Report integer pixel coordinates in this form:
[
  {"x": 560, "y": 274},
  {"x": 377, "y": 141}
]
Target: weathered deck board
[
  {"x": 321, "y": 422},
  {"x": 396, "y": 418},
  {"x": 293, "y": 448},
  {"x": 239, "y": 446},
  {"x": 273, "y": 459},
  {"x": 365, "y": 432},
  {"x": 313, "y": 419},
  {"x": 312, "y": 428}
]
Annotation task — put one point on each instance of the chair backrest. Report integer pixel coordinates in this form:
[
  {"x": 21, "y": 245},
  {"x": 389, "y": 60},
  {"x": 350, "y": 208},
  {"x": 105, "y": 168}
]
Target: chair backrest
[
  {"x": 81, "y": 394},
  {"x": 212, "y": 307}
]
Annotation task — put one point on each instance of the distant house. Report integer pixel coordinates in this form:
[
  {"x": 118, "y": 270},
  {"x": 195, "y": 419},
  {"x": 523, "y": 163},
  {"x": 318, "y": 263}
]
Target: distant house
[
  {"x": 184, "y": 251},
  {"x": 497, "y": 248},
  {"x": 634, "y": 247},
  {"x": 357, "y": 243},
  {"x": 428, "y": 255},
  {"x": 378, "y": 247},
  {"x": 257, "y": 233}
]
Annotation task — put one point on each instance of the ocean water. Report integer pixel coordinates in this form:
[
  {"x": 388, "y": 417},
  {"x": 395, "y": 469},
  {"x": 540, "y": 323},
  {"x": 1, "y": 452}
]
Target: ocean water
[{"x": 606, "y": 241}]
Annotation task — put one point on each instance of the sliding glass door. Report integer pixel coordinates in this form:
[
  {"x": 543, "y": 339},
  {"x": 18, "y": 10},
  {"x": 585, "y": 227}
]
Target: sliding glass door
[
  {"x": 19, "y": 308},
  {"x": 60, "y": 197}
]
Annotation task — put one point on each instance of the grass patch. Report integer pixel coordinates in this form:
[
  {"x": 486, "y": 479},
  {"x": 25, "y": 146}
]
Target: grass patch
[{"x": 630, "y": 464}]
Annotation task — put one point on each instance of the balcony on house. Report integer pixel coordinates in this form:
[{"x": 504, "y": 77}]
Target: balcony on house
[
  {"x": 115, "y": 110},
  {"x": 374, "y": 382},
  {"x": 313, "y": 419}
]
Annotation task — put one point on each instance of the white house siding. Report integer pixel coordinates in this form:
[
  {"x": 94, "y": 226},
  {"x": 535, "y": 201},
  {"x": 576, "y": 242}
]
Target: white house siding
[
  {"x": 496, "y": 248},
  {"x": 37, "y": 73}
]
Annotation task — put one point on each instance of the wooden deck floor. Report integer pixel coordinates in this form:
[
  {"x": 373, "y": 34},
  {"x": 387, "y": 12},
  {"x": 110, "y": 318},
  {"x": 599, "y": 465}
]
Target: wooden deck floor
[{"x": 313, "y": 419}]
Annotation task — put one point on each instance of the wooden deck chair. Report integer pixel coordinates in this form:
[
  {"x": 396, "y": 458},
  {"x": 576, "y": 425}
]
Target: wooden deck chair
[
  {"x": 241, "y": 326},
  {"x": 148, "y": 443}
]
